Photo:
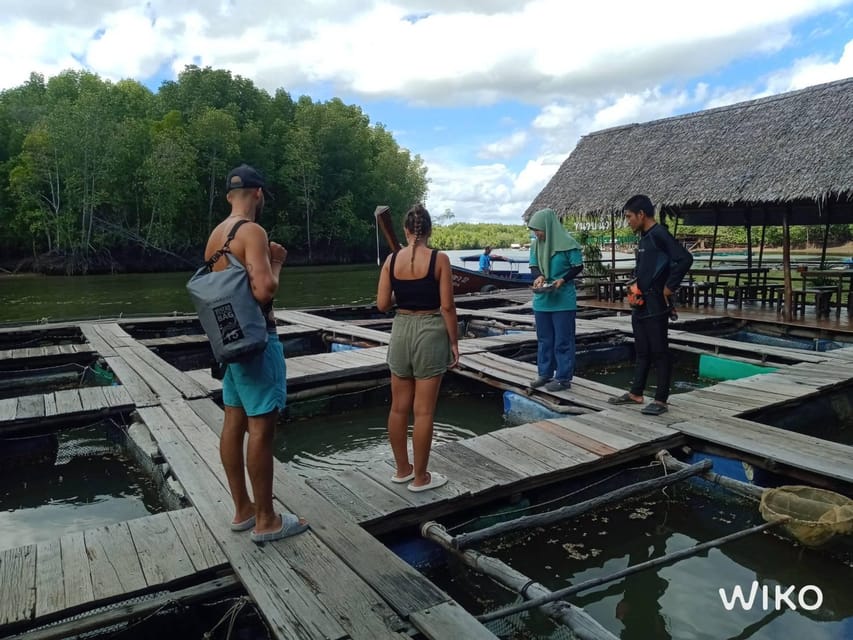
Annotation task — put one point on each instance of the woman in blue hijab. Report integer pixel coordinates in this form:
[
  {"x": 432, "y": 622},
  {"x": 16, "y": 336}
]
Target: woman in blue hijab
[{"x": 555, "y": 261}]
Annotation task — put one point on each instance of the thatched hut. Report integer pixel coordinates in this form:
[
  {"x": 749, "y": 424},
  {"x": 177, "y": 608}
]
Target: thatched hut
[{"x": 780, "y": 160}]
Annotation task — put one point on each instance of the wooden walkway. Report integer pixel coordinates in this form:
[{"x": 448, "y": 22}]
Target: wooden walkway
[
  {"x": 54, "y": 352},
  {"x": 335, "y": 581},
  {"x": 90, "y": 568},
  {"x": 490, "y": 466},
  {"x": 51, "y": 409},
  {"x": 541, "y": 453}
]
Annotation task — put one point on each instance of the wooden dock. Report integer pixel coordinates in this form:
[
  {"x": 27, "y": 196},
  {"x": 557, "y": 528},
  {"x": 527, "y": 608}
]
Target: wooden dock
[
  {"x": 337, "y": 580},
  {"x": 94, "y": 567}
]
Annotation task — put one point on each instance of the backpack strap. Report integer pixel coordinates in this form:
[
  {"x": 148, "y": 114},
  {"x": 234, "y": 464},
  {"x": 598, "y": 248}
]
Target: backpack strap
[{"x": 226, "y": 247}]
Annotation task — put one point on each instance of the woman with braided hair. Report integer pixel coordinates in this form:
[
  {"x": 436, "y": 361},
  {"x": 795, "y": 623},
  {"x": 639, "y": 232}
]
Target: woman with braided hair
[{"x": 424, "y": 343}]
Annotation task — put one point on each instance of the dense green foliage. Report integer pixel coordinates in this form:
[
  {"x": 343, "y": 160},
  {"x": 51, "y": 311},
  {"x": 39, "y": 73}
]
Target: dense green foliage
[
  {"x": 465, "y": 235},
  {"x": 91, "y": 170}
]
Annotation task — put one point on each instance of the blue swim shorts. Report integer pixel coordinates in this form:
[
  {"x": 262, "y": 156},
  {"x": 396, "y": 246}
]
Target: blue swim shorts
[{"x": 258, "y": 385}]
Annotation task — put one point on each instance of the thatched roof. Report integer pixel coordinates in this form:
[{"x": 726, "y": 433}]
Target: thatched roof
[{"x": 750, "y": 159}]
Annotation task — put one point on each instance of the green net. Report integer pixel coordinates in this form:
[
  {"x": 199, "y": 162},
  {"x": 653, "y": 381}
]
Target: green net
[{"x": 815, "y": 516}]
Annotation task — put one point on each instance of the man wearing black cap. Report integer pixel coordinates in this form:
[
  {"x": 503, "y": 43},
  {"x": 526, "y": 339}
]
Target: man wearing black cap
[{"x": 253, "y": 391}]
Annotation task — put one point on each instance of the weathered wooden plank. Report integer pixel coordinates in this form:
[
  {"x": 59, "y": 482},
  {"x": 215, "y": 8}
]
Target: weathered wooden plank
[
  {"x": 49, "y": 405},
  {"x": 74, "y": 348},
  {"x": 8, "y": 409},
  {"x": 30, "y": 407},
  {"x": 570, "y": 438},
  {"x": 371, "y": 560},
  {"x": 161, "y": 555},
  {"x": 203, "y": 377},
  {"x": 92, "y": 398},
  {"x": 624, "y": 424},
  {"x": 346, "y": 500},
  {"x": 198, "y": 542},
  {"x": 67, "y": 401},
  {"x": 481, "y": 467},
  {"x": 113, "y": 561},
  {"x": 161, "y": 386},
  {"x": 286, "y": 598},
  {"x": 360, "y": 610},
  {"x": 468, "y": 480},
  {"x": 96, "y": 341},
  {"x": 516, "y": 437},
  {"x": 449, "y": 620},
  {"x": 382, "y": 471},
  {"x": 185, "y": 384},
  {"x": 50, "y": 586},
  {"x": 571, "y": 453},
  {"x": 117, "y": 396},
  {"x": 506, "y": 455},
  {"x": 52, "y": 350},
  {"x": 133, "y": 383},
  {"x": 793, "y": 449},
  {"x": 17, "y": 584},
  {"x": 76, "y": 576},
  {"x": 378, "y": 495},
  {"x": 591, "y": 429}
]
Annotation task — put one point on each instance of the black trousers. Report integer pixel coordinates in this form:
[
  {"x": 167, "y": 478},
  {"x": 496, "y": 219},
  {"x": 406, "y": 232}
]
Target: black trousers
[{"x": 651, "y": 344}]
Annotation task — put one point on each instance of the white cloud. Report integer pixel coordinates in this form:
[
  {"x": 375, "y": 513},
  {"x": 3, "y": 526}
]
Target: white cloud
[
  {"x": 584, "y": 66},
  {"x": 505, "y": 148}
]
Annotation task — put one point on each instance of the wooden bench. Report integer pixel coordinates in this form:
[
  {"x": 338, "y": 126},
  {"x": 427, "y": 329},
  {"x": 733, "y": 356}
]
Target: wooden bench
[{"x": 822, "y": 300}]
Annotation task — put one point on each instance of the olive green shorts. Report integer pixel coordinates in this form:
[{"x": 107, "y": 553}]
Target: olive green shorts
[{"x": 420, "y": 346}]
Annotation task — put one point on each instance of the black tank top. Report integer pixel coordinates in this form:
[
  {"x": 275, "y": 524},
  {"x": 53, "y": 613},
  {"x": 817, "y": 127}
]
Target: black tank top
[{"x": 421, "y": 294}]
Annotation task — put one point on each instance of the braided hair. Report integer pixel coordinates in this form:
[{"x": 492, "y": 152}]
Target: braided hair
[{"x": 419, "y": 224}]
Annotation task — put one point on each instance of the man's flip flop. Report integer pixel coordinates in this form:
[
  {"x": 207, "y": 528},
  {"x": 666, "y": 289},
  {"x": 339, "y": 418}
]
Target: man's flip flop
[
  {"x": 290, "y": 526},
  {"x": 436, "y": 480},
  {"x": 653, "y": 409},
  {"x": 625, "y": 398},
  {"x": 247, "y": 524},
  {"x": 402, "y": 479}
]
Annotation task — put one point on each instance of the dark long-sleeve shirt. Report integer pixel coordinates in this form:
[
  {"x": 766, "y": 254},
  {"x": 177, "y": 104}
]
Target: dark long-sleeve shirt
[{"x": 662, "y": 262}]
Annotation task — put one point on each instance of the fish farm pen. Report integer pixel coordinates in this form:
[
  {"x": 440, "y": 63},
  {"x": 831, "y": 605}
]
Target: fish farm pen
[{"x": 564, "y": 517}]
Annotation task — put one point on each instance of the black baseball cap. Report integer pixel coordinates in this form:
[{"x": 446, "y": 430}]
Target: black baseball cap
[{"x": 246, "y": 177}]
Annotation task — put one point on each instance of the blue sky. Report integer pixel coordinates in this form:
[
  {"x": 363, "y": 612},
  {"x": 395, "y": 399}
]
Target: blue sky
[{"x": 492, "y": 94}]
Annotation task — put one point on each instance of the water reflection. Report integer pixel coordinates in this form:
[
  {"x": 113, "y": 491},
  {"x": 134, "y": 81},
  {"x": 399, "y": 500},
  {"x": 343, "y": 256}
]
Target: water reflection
[
  {"x": 78, "y": 480},
  {"x": 345, "y": 440},
  {"x": 680, "y": 600}
]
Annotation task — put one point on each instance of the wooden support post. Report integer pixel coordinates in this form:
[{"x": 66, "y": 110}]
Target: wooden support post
[
  {"x": 786, "y": 261},
  {"x": 714, "y": 240}
]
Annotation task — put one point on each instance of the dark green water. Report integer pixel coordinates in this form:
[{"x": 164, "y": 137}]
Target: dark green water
[
  {"x": 343, "y": 440},
  {"x": 685, "y": 375},
  {"x": 678, "y": 601},
  {"x": 91, "y": 483},
  {"x": 30, "y": 298}
]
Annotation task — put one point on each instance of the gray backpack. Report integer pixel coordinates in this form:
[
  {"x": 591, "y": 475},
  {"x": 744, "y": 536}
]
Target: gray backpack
[{"x": 227, "y": 310}]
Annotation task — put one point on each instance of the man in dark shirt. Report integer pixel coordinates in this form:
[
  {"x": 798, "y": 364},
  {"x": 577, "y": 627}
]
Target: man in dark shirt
[{"x": 661, "y": 265}]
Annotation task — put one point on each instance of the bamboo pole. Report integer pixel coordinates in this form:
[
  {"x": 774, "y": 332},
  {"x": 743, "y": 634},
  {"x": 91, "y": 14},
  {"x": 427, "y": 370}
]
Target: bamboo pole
[
  {"x": 339, "y": 387},
  {"x": 612, "y": 239},
  {"x": 579, "y": 621},
  {"x": 742, "y": 488},
  {"x": 649, "y": 564},
  {"x": 564, "y": 513}
]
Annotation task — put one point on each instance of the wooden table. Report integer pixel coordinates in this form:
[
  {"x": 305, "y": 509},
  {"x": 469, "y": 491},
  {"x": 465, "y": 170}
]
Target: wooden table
[
  {"x": 754, "y": 286},
  {"x": 837, "y": 278}
]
